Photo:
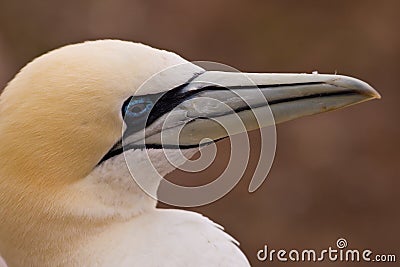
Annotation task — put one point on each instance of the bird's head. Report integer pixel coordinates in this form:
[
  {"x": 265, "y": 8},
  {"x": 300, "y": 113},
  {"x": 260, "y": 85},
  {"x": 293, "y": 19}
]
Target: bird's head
[
  {"x": 63, "y": 112},
  {"x": 63, "y": 116}
]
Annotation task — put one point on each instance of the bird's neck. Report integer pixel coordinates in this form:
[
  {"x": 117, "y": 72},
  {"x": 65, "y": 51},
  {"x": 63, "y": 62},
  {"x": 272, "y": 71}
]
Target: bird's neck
[{"x": 49, "y": 225}]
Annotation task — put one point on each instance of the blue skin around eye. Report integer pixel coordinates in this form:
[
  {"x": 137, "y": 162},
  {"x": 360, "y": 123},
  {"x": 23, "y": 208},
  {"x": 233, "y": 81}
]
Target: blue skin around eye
[{"x": 133, "y": 102}]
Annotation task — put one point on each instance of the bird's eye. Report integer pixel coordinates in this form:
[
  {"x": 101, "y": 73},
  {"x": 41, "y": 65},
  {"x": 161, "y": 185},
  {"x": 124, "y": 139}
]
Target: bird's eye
[{"x": 137, "y": 107}]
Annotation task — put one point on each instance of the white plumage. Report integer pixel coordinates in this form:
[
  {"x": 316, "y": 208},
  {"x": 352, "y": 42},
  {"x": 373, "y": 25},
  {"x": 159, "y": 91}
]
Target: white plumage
[{"x": 61, "y": 115}]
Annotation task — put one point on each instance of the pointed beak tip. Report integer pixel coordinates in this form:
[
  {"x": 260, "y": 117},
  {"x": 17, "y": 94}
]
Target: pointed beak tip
[
  {"x": 378, "y": 96},
  {"x": 357, "y": 85},
  {"x": 371, "y": 93}
]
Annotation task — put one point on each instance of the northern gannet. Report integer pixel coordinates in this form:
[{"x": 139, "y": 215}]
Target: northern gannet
[{"x": 66, "y": 195}]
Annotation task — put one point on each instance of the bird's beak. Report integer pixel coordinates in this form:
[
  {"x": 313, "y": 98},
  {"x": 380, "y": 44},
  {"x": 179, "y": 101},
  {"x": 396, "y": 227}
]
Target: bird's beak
[{"x": 218, "y": 104}]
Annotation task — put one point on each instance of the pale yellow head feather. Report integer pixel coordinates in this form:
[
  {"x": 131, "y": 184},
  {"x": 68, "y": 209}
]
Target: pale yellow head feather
[
  {"x": 62, "y": 112},
  {"x": 58, "y": 117}
]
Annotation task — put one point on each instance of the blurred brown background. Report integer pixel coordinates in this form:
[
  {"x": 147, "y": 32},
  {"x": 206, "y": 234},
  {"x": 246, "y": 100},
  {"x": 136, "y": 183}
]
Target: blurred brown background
[{"x": 335, "y": 174}]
